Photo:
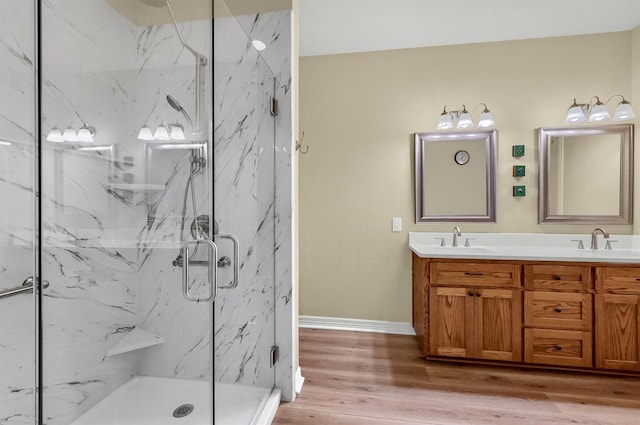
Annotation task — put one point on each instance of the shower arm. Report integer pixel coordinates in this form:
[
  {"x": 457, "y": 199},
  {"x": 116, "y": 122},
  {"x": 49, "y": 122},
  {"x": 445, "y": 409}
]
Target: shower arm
[{"x": 201, "y": 62}]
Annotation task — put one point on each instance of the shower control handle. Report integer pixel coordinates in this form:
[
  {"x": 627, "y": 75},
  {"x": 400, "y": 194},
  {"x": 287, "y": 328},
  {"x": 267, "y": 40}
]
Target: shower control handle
[{"x": 236, "y": 259}]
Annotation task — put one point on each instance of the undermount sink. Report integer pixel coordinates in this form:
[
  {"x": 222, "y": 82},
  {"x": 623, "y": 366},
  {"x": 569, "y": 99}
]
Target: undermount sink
[{"x": 608, "y": 253}]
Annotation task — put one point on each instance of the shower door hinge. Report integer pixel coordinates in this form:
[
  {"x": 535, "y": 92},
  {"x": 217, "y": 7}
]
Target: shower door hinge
[
  {"x": 274, "y": 107},
  {"x": 274, "y": 355}
]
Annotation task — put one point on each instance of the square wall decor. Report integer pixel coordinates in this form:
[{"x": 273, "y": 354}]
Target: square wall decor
[
  {"x": 517, "y": 150},
  {"x": 519, "y": 170},
  {"x": 519, "y": 191}
]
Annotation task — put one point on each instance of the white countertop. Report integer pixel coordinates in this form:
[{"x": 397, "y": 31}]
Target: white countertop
[{"x": 526, "y": 246}]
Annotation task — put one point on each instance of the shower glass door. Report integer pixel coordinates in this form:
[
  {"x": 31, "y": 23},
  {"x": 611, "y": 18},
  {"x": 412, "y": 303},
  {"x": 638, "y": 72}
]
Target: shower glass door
[
  {"x": 127, "y": 206},
  {"x": 17, "y": 213},
  {"x": 244, "y": 202}
]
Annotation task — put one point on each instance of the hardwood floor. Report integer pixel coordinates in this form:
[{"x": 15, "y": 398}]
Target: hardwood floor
[{"x": 358, "y": 378}]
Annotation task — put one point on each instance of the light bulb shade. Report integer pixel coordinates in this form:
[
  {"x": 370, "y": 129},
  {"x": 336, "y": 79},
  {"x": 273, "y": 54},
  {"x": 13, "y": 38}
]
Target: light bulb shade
[
  {"x": 486, "y": 120},
  {"x": 161, "y": 133},
  {"x": 624, "y": 112},
  {"x": 85, "y": 134},
  {"x": 575, "y": 114},
  {"x": 176, "y": 132},
  {"x": 446, "y": 122},
  {"x": 599, "y": 113},
  {"x": 70, "y": 135},
  {"x": 145, "y": 133},
  {"x": 55, "y": 136},
  {"x": 465, "y": 121}
]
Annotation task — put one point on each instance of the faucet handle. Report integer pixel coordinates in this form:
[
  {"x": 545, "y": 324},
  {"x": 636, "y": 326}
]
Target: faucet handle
[
  {"x": 466, "y": 242},
  {"x": 442, "y": 242},
  {"x": 580, "y": 244},
  {"x": 608, "y": 245}
]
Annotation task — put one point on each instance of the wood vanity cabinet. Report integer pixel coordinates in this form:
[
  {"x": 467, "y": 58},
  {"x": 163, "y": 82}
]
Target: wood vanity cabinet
[
  {"x": 475, "y": 310},
  {"x": 618, "y": 318},
  {"x": 570, "y": 315},
  {"x": 558, "y": 310}
]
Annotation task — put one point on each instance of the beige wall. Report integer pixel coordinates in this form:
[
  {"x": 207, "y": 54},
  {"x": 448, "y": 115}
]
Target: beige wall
[
  {"x": 635, "y": 90},
  {"x": 359, "y": 112}
]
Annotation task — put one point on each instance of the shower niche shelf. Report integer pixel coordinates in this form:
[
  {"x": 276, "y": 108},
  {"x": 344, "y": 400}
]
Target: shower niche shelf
[
  {"x": 137, "y": 187},
  {"x": 136, "y": 339}
]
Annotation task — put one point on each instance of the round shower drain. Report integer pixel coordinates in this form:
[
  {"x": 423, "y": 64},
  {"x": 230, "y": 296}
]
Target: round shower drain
[{"x": 182, "y": 411}]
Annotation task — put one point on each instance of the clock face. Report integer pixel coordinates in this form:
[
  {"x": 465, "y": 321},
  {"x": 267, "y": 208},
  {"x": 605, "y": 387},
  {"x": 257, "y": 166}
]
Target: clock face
[{"x": 461, "y": 157}]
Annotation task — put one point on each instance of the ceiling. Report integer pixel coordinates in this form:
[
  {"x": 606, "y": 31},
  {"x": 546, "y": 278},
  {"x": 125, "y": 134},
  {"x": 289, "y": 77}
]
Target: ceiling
[{"x": 347, "y": 26}]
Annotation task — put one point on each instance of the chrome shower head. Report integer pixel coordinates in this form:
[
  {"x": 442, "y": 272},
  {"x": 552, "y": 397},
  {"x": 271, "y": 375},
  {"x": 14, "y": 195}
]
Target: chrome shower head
[
  {"x": 154, "y": 3},
  {"x": 176, "y": 105}
]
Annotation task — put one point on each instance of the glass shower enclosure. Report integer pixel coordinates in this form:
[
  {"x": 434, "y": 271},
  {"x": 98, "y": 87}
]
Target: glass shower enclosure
[{"x": 138, "y": 233}]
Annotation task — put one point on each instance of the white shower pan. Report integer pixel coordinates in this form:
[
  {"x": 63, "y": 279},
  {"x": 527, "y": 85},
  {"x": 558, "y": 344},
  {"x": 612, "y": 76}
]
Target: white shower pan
[{"x": 152, "y": 401}]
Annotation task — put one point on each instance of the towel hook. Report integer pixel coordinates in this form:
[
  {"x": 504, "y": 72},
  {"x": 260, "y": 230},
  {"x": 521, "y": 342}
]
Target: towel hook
[{"x": 299, "y": 146}]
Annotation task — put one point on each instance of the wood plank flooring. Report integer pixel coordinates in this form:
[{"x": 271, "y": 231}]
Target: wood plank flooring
[{"x": 357, "y": 378}]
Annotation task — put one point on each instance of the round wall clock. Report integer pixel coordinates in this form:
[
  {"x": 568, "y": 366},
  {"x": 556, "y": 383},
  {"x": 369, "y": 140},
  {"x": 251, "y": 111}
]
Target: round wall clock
[{"x": 461, "y": 157}]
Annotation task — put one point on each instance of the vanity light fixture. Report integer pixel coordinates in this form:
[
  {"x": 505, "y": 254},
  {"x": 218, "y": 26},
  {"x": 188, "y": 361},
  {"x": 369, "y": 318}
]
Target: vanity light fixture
[
  {"x": 162, "y": 133},
  {"x": 596, "y": 111},
  {"x": 55, "y": 136},
  {"x": 463, "y": 118},
  {"x": 145, "y": 133},
  {"x": 86, "y": 134}
]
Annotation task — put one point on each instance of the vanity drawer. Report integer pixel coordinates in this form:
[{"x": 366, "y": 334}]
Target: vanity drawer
[
  {"x": 618, "y": 279},
  {"x": 558, "y": 310},
  {"x": 558, "y": 347},
  {"x": 560, "y": 278},
  {"x": 470, "y": 274}
]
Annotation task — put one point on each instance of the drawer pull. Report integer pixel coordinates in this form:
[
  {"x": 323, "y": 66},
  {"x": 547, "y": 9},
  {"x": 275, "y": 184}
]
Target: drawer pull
[
  {"x": 474, "y": 273},
  {"x": 637, "y": 279},
  {"x": 559, "y": 348},
  {"x": 558, "y": 310},
  {"x": 557, "y": 278}
]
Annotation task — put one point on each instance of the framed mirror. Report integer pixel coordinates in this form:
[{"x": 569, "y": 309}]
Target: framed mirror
[
  {"x": 586, "y": 175},
  {"x": 455, "y": 176}
]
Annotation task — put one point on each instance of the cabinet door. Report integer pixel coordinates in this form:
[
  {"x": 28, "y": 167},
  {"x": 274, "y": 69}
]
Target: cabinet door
[
  {"x": 617, "y": 331},
  {"x": 498, "y": 324},
  {"x": 450, "y": 322}
]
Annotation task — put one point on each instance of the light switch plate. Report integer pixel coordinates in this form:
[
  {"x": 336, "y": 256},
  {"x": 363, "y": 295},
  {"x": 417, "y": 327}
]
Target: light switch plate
[{"x": 396, "y": 224}]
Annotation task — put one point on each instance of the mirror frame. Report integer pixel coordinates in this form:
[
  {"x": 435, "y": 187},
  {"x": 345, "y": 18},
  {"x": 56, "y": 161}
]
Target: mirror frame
[
  {"x": 625, "y": 211},
  {"x": 491, "y": 141}
]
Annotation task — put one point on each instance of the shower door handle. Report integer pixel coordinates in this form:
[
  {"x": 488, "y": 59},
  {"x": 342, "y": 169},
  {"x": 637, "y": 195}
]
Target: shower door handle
[
  {"x": 212, "y": 271},
  {"x": 236, "y": 259}
]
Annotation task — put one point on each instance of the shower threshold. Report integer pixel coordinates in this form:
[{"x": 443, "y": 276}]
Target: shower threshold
[{"x": 165, "y": 401}]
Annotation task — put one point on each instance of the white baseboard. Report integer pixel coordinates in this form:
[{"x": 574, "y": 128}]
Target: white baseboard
[
  {"x": 359, "y": 325},
  {"x": 299, "y": 380}
]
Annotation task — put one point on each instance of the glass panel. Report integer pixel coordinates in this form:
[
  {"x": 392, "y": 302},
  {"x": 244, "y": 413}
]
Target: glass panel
[
  {"x": 121, "y": 343},
  {"x": 244, "y": 165},
  {"x": 17, "y": 312}
]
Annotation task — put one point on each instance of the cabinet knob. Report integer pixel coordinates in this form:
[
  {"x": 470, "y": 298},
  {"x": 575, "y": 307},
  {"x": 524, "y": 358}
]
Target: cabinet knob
[
  {"x": 557, "y": 278},
  {"x": 478, "y": 294},
  {"x": 558, "y": 310},
  {"x": 559, "y": 348},
  {"x": 471, "y": 293}
]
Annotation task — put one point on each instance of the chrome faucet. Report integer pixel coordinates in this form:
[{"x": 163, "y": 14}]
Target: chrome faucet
[
  {"x": 456, "y": 233},
  {"x": 594, "y": 237}
]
